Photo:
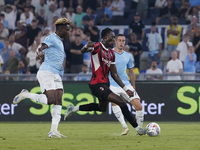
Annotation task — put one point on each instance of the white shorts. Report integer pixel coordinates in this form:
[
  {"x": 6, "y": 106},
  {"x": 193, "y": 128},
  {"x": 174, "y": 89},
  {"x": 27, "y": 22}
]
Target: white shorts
[
  {"x": 119, "y": 91},
  {"x": 49, "y": 81}
]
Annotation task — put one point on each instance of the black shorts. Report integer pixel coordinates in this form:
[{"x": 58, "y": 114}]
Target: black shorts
[{"x": 100, "y": 90}]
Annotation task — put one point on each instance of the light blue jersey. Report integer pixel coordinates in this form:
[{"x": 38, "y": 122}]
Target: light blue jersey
[
  {"x": 54, "y": 55},
  {"x": 123, "y": 61}
]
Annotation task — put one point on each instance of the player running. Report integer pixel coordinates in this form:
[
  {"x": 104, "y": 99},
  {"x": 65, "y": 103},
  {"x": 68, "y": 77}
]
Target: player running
[
  {"x": 103, "y": 62},
  {"x": 124, "y": 60},
  {"x": 50, "y": 73}
]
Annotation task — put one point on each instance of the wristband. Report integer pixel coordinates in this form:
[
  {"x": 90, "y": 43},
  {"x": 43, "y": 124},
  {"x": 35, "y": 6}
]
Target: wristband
[{"x": 125, "y": 88}]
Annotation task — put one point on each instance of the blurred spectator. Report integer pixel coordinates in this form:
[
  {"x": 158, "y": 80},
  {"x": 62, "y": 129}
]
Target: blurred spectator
[
  {"x": 135, "y": 49},
  {"x": 20, "y": 51},
  {"x": 1, "y": 63},
  {"x": 49, "y": 2},
  {"x": 160, "y": 4},
  {"x": 174, "y": 34},
  {"x": 79, "y": 16},
  {"x": 5, "y": 53},
  {"x": 142, "y": 8},
  {"x": 53, "y": 26},
  {"x": 10, "y": 13},
  {"x": 117, "y": 8},
  {"x": 155, "y": 71},
  {"x": 191, "y": 27},
  {"x": 49, "y": 16},
  {"x": 29, "y": 77},
  {"x": 87, "y": 17},
  {"x": 41, "y": 18},
  {"x": 13, "y": 64},
  {"x": 37, "y": 42},
  {"x": 61, "y": 10},
  {"x": 183, "y": 48},
  {"x": 154, "y": 45},
  {"x": 183, "y": 9},
  {"x": 196, "y": 42},
  {"x": 20, "y": 34},
  {"x": 86, "y": 56},
  {"x": 107, "y": 13},
  {"x": 174, "y": 66},
  {"x": 45, "y": 34},
  {"x": 43, "y": 6},
  {"x": 90, "y": 3},
  {"x": 137, "y": 27},
  {"x": 70, "y": 15},
  {"x": 84, "y": 75},
  {"x": 2, "y": 4},
  {"x": 2, "y": 19},
  {"x": 192, "y": 11},
  {"x": 168, "y": 11},
  {"x": 189, "y": 64},
  {"x": 3, "y": 32},
  {"x": 27, "y": 16},
  {"x": 71, "y": 3},
  {"x": 35, "y": 3},
  {"x": 76, "y": 57},
  {"x": 32, "y": 32},
  {"x": 93, "y": 30},
  {"x": 30, "y": 59}
]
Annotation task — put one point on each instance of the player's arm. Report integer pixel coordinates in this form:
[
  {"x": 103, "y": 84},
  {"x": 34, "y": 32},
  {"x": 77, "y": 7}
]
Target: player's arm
[
  {"x": 132, "y": 77},
  {"x": 40, "y": 52},
  {"x": 89, "y": 47},
  {"x": 117, "y": 79}
]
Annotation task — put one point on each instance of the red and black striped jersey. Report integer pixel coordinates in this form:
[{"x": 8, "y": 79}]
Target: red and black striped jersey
[{"x": 101, "y": 59}]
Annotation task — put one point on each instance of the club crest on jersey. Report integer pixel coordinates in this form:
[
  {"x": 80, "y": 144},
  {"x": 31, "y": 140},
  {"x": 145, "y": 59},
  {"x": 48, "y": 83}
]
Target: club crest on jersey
[
  {"x": 101, "y": 88},
  {"x": 106, "y": 62}
]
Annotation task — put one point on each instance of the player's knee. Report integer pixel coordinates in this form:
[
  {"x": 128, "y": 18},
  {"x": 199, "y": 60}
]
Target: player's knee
[
  {"x": 51, "y": 100},
  {"x": 121, "y": 103},
  {"x": 138, "y": 108},
  {"x": 58, "y": 102}
]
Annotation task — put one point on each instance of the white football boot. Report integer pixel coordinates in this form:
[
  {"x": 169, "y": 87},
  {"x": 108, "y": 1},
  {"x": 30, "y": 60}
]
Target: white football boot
[{"x": 18, "y": 98}]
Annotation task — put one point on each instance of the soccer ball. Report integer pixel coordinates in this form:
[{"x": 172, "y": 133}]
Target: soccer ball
[{"x": 153, "y": 129}]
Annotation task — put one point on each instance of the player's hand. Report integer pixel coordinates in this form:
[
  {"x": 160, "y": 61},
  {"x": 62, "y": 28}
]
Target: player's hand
[
  {"x": 90, "y": 44},
  {"x": 130, "y": 93}
]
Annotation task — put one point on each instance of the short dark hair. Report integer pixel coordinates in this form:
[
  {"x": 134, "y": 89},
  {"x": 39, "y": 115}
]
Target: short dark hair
[
  {"x": 119, "y": 35},
  {"x": 105, "y": 31}
]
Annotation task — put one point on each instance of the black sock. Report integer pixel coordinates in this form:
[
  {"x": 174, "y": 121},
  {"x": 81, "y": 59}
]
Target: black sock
[
  {"x": 89, "y": 107},
  {"x": 128, "y": 116}
]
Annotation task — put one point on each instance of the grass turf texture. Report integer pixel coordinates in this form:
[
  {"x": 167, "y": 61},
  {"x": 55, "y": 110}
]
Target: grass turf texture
[{"x": 97, "y": 136}]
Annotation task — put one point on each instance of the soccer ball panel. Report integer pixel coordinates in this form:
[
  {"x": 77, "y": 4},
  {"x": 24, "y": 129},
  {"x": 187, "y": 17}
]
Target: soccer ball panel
[{"x": 153, "y": 129}]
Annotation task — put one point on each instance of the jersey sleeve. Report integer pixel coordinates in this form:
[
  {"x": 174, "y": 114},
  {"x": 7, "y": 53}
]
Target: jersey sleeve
[
  {"x": 130, "y": 62},
  {"x": 48, "y": 41}
]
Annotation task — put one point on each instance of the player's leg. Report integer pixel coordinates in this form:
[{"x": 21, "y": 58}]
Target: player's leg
[
  {"x": 118, "y": 114},
  {"x": 139, "y": 112},
  {"x": 117, "y": 111},
  {"x": 119, "y": 101},
  {"x": 56, "y": 114},
  {"x": 135, "y": 102}
]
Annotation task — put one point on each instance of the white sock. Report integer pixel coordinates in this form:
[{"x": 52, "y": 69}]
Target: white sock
[
  {"x": 56, "y": 115},
  {"x": 41, "y": 98},
  {"x": 118, "y": 114},
  {"x": 139, "y": 117},
  {"x": 75, "y": 109}
]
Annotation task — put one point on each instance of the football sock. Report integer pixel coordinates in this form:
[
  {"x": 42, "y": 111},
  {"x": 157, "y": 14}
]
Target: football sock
[
  {"x": 41, "y": 98},
  {"x": 118, "y": 114},
  {"x": 75, "y": 109},
  {"x": 89, "y": 107},
  {"x": 139, "y": 117},
  {"x": 56, "y": 115},
  {"x": 128, "y": 116}
]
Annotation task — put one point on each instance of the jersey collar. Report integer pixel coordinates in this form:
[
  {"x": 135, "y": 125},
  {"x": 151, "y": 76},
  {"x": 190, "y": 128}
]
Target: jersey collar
[{"x": 104, "y": 47}]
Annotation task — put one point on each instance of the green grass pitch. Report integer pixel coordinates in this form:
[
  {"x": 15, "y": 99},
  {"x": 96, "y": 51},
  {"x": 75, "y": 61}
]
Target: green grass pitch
[{"x": 97, "y": 136}]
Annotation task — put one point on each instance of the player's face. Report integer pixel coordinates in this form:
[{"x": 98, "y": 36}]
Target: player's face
[
  {"x": 110, "y": 39},
  {"x": 120, "y": 42},
  {"x": 65, "y": 31}
]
